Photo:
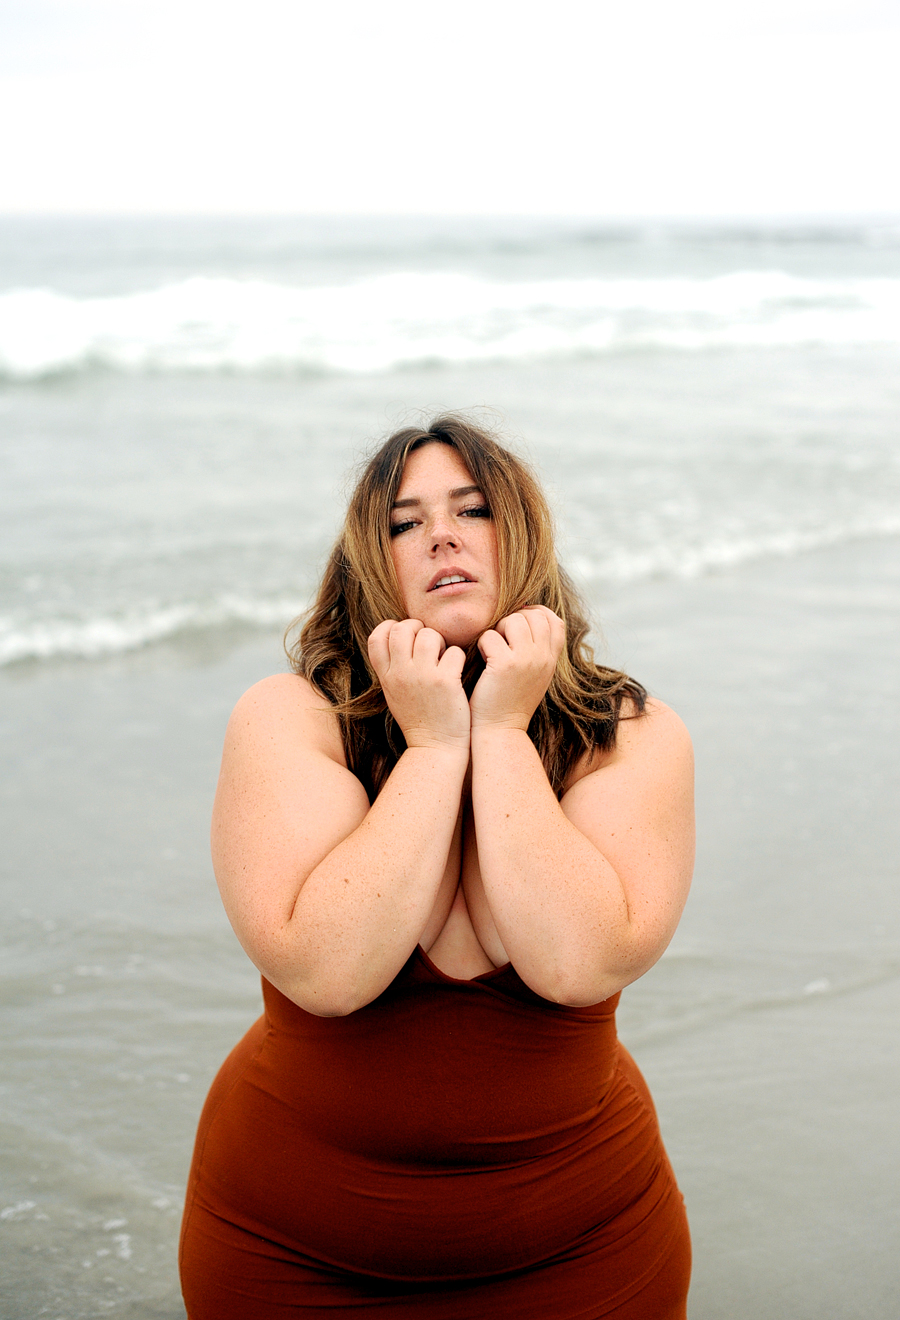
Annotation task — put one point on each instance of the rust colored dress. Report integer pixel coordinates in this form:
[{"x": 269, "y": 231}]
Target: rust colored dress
[{"x": 455, "y": 1150}]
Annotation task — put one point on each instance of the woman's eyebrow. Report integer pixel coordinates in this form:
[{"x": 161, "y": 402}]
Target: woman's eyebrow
[{"x": 457, "y": 493}]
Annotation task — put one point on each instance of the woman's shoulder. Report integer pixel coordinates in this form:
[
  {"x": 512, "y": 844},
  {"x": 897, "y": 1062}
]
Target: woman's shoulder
[
  {"x": 654, "y": 732},
  {"x": 288, "y": 706}
]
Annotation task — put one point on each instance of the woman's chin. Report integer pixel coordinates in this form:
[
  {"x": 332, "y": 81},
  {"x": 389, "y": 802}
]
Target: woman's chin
[
  {"x": 458, "y": 628},
  {"x": 463, "y": 638},
  {"x": 465, "y": 641},
  {"x": 462, "y": 632}
]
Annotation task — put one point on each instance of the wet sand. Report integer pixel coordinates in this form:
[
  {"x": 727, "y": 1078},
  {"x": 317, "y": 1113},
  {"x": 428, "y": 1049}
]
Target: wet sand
[
  {"x": 776, "y": 1074},
  {"x": 768, "y": 1032}
]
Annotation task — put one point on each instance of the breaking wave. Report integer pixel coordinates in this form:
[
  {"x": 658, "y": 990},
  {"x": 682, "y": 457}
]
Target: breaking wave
[
  {"x": 207, "y": 324},
  {"x": 114, "y": 634}
]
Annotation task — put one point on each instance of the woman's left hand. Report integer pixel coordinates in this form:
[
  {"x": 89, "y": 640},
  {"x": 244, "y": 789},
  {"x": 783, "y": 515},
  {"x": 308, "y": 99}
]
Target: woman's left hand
[{"x": 520, "y": 657}]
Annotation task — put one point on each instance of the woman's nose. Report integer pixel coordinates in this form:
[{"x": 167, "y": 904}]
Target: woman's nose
[{"x": 443, "y": 533}]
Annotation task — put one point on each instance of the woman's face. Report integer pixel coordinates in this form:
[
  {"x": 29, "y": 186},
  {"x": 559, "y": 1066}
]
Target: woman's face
[{"x": 444, "y": 546}]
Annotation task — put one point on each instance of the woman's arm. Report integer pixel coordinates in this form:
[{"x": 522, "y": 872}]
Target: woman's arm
[
  {"x": 585, "y": 893},
  {"x": 329, "y": 895}
]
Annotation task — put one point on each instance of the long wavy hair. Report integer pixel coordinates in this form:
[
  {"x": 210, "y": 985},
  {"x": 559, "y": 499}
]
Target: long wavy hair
[{"x": 328, "y": 645}]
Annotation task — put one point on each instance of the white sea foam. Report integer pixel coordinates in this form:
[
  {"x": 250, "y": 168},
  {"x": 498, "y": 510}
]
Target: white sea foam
[
  {"x": 92, "y": 638},
  {"x": 722, "y": 552},
  {"x": 108, "y": 635},
  {"x": 204, "y": 324}
]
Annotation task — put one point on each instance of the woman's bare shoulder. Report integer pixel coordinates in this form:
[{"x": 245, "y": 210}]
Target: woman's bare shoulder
[
  {"x": 657, "y": 725},
  {"x": 288, "y": 706},
  {"x": 656, "y": 730}
]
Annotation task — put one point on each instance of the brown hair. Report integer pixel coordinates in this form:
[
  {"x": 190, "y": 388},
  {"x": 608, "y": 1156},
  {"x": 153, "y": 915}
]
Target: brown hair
[{"x": 359, "y": 589}]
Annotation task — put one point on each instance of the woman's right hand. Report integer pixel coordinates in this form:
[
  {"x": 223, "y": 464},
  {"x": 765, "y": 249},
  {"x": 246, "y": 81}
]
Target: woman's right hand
[{"x": 421, "y": 679}]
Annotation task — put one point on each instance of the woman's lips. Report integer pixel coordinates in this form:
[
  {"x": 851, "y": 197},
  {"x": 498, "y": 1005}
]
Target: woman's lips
[{"x": 451, "y": 582}]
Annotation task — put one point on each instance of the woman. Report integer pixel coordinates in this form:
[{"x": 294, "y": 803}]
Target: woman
[{"x": 447, "y": 840}]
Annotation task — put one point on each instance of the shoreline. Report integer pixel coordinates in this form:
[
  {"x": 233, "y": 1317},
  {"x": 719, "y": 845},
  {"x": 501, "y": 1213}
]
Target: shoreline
[{"x": 764, "y": 1032}]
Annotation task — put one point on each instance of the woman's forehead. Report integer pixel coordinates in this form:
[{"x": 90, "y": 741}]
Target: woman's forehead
[{"x": 434, "y": 464}]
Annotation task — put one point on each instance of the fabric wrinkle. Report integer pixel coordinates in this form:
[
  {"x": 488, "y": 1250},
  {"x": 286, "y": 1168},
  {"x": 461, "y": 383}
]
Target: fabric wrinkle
[{"x": 452, "y": 1138}]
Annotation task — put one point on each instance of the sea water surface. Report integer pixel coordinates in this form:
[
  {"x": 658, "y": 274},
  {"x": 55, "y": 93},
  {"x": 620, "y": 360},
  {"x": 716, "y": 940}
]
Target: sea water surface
[
  {"x": 171, "y": 398},
  {"x": 715, "y": 411}
]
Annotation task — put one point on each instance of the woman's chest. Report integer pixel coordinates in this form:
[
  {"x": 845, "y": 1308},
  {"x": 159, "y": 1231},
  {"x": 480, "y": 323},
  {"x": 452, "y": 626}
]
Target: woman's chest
[{"x": 460, "y": 937}]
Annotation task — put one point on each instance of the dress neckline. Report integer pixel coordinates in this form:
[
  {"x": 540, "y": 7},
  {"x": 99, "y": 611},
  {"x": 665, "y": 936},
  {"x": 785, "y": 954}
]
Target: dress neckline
[
  {"x": 505, "y": 980},
  {"x": 460, "y": 980}
]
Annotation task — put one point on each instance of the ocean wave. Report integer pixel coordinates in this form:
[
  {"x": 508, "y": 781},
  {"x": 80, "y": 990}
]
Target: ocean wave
[
  {"x": 109, "y": 635},
  {"x": 721, "y": 552},
  {"x": 374, "y": 325},
  {"x": 114, "y": 634}
]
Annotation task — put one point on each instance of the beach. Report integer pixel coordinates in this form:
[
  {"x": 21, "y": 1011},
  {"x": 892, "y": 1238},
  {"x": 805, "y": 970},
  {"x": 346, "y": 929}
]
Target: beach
[
  {"x": 767, "y": 1032},
  {"x": 730, "y": 513}
]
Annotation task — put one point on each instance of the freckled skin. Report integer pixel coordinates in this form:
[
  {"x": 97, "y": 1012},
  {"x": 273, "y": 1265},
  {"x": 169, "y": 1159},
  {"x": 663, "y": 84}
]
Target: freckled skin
[
  {"x": 466, "y": 850},
  {"x": 443, "y": 532}
]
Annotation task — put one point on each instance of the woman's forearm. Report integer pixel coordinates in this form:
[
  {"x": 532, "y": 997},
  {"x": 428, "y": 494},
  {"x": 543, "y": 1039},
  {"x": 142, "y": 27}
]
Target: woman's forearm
[
  {"x": 360, "y": 912},
  {"x": 559, "y": 907}
]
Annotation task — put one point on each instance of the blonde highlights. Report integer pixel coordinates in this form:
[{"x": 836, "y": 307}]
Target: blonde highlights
[{"x": 359, "y": 589}]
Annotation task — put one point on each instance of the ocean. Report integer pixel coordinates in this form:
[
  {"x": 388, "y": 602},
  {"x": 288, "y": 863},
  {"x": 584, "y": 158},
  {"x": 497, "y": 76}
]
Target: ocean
[
  {"x": 714, "y": 408},
  {"x": 179, "y": 399}
]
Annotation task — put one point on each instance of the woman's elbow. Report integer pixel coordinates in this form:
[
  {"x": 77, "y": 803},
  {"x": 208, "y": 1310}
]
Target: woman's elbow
[
  {"x": 321, "y": 1004},
  {"x": 592, "y": 981},
  {"x": 317, "y": 993},
  {"x": 321, "y": 991}
]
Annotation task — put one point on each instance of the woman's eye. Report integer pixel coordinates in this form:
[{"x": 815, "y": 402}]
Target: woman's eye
[
  {"x": 477, "y": 511},
  {"x": 397, "y": 528}
]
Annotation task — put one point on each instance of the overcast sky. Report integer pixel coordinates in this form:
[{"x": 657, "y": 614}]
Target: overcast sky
[{"x": 777, "y": 107}]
